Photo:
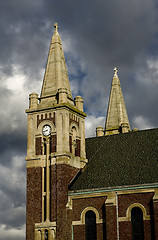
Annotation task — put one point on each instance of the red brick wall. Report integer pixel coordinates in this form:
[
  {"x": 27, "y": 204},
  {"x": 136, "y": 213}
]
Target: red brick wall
[
  {"x": 108, "y": 230},
  {"x": 125, "y": 231},
  {"x": 59, "y": 190},
  {"x": 38, "y": 146},
  {"x": 53, "y": 143},
  {"x": 77, "y": 149},
  {"x": 155, "y": 206},
  {"x": 79, "y": 232},
  {"x": 111, "y": 223},
  {"x": 124, "y": 201},
  {"x": 147, "y": 230},
  {"x": 34, "y": 200},
  {"x": 61, "y": 176},
  {"x": 78, "y": 206}
]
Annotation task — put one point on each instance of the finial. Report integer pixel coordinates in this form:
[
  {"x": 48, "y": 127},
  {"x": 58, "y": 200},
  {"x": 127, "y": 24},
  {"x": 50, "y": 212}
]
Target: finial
[
  {"x": 115, "y": 72},
  {"x": 56, "y": 27}
]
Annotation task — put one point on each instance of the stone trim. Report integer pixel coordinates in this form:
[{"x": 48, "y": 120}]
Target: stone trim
[
  {"x": 83, "y": 213},
  {"x": 35, "y": 163},
  {"x": 108, "y": 193},
  {"x": 121, "y": 190},
  {"x": 73, "y": 119},
  {"x": 69, "y": 203},
  {"x": 45, "y": 224},
  {"x": 41, "y": 124},
  {"x": 46, "y": 116},
  {"x": 61, "y": 105},
  {"x": 155, "y": 197},
  {"x": 41, "y": 227},
  {"x": 128, "y": 213},
  {"x": 134, "y": 191},
  {"x": 111, "y": 199}
]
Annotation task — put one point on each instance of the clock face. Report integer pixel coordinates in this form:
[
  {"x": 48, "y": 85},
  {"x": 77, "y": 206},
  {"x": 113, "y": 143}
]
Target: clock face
[{"x": 46, "y": 130}]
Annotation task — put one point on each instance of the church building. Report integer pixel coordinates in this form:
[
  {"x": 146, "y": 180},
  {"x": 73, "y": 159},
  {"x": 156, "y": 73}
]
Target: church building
[{"x": 99, "y": 188}]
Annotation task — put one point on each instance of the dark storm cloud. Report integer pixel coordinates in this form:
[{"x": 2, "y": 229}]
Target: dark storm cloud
[
  {"x": 12, "y": 179},
  {"x": 143, "y": 96},
  {"x": 15, "y": 142},
  {"x": 116, "y": 31},
  {"x": 24, "y": 35},
  {"x": 105, "y": 34},
  {"x": 12, "y": 191}
]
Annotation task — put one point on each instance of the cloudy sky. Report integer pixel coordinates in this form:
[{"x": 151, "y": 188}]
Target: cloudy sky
[{"x": 97, "y": 35}]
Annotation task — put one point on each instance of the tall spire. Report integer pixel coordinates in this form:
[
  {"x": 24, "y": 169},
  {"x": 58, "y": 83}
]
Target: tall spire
[
  {"x": 117, "y": 119},
  {"x": 56, "y": 78}
]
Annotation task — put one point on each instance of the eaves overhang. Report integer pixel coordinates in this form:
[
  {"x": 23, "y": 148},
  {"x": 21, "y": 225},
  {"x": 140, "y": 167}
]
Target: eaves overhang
[{"x": 112, "y": 189}]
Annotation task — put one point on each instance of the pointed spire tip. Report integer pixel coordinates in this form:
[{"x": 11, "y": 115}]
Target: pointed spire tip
[
  {"x": 56, "y": 26},
  {"x": 115, "y": 72}
]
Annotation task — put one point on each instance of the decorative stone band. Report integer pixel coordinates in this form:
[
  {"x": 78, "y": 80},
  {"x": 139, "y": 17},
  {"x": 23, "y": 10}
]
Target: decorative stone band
[
  {"x": 42, "y": 228},
  {"x": 82, "y": 218},
  {"x": 128, "y": 213},
  {"x": 81, "y": 223}
]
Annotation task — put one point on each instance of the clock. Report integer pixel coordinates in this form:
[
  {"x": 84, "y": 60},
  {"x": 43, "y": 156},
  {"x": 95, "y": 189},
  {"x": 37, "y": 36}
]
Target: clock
[{"x": 46, "y": 130}]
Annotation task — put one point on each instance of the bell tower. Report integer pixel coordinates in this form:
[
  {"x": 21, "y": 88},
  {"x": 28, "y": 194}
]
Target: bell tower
[{"x": 55, "y": 149}]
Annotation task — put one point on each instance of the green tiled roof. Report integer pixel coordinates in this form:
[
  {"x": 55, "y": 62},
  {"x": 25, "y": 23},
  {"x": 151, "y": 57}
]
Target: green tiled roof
[{"x": 120, "y": 160}]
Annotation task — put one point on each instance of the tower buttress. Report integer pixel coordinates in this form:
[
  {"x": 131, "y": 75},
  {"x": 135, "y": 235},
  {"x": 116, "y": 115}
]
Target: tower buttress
[{"x": 55, "y": 148}]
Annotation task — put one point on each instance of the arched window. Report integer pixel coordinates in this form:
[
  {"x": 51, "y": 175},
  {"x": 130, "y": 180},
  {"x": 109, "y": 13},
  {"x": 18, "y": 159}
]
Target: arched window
[
  {"x": 74, "y": 133},
  {"x": 46, "y": 235},
  {"x": 90, "y": 225},
  {"x": 137, "y": 224}
]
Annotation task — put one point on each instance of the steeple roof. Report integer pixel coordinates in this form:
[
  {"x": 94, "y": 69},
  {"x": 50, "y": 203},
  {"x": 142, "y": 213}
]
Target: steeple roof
[
  {"x": 117, "y": 119},
  {"x": 56, "y": 76}
]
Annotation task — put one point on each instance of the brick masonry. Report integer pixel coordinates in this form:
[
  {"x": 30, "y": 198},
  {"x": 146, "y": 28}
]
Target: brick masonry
[
  {"x": 38, "y": 146},
  {"x": 124, "y": 201},
  {"x": 155, "y": 207},
  {"x": 61, "y": 176},
  {"x": 78, "y": 206},
  {"x": 34, "y": 200},
  {"x": 46, "y": 116},
  {"x": 59, "y": 196},
  {"x": 125, "y": 231},
  {"x": 111, "y": 223},
  {"x": 108, "y": 230}
]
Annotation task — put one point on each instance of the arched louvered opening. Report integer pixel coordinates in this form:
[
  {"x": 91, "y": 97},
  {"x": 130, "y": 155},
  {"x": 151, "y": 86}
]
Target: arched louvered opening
[
  {"x": 90, "y": 225},
  {"x": 137, "y": 224},
  {"x": 46, "y": 235}
]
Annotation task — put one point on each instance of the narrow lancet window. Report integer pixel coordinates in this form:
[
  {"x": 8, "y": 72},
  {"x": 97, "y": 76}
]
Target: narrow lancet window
[
  {"x": 137, "y": 224},
  {"x": 90, "y": 225},
  {"x": 45, "y": 146},
  {"x": 46, "y": 234}
]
